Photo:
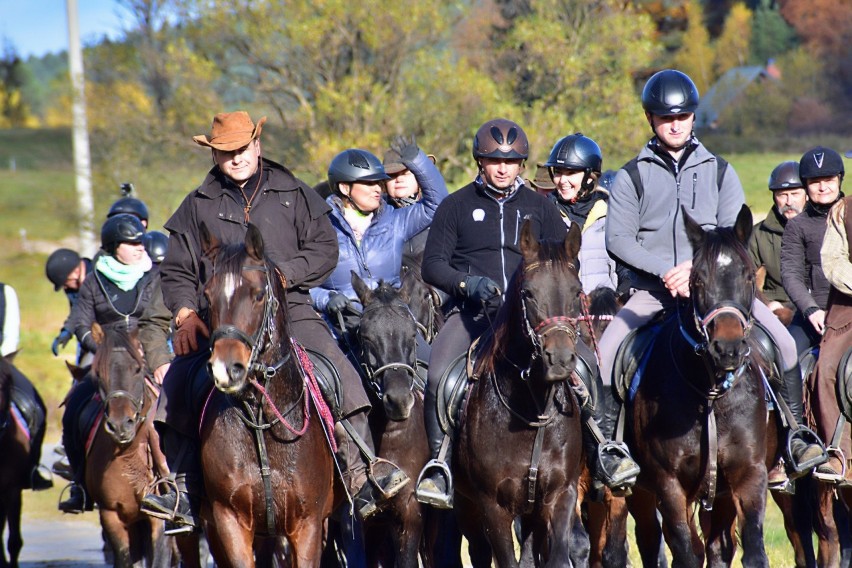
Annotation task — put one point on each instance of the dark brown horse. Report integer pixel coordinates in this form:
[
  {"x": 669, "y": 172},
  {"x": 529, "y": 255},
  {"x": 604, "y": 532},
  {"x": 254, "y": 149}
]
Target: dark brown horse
[
  {"x": 424, "y": 300},
  {"x": 387, "y": 340},
  {"x": 15, "y": 449},
  {"x": 268, "y": 467},
  {"x": 119, "y": 464},
  {"x": 697, "y": 424},
  {"x": 519, "y": 449}
]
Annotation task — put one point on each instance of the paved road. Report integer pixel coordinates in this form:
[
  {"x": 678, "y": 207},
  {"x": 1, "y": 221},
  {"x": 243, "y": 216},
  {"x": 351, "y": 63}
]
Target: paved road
[{"x": 58, "y": 542}]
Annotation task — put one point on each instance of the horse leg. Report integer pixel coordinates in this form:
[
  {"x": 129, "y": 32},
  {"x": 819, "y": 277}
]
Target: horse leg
[
  {"x": 188, "y": 548},
  {"x": 472, "y": 527},
  {"x": 162, "y": 552},
  {"x": 679, "y": 525},
  {"x": 642, "y": 505},
  {"x": 751, "y": 502},
  {"x": 826, "y": 529},
  {"x": 497, "y": 524},
  {"x": 580, "y": 542},
  {"x": 306, "y": 543},
  {"x": 718, "y": 528},
  {"x": 556, "y": 548},
  {"x": 230, "y": 542},
  {"x": 614, "y": 551},
  {"x": 795, "y": 512},
  {"x": 442, "y": 539},
  {"x": 118, "y": 537},
  {"x": 12, "y": 514},
  {"x": 407, "y": 538}
]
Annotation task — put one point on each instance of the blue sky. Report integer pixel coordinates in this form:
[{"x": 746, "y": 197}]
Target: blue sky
[{"x": 36, "y": 27}]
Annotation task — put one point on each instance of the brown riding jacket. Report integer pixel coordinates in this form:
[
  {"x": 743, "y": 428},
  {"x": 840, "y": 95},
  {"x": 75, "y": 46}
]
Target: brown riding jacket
[{"x": 292, "y": 218}]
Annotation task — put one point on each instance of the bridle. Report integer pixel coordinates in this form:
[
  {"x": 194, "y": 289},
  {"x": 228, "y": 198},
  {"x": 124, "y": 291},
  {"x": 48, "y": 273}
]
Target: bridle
[
  {"x": 137, "y": 403},
  {"x": 256, "y": 342},
  {"x": 372, "y": 375},
  {"x": 552, "y": 324}
]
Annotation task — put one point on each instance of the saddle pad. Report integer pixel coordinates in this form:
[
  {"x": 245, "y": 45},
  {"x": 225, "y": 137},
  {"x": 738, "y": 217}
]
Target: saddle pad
[
  {"x": 631, "y": 358},
  {"x": 19, "y": 419}
]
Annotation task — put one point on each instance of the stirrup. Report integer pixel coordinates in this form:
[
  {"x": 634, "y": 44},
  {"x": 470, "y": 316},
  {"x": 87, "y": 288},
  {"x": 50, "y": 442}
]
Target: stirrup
[
  {"x": 438, "y": 500},
  {"x": 809, "y": 437},
  {"x": 618, "y": 450},
  {"x": 171, "y": 484},
  {"x": 831, "y": 478},
  {"x": 67, "y": 489},
  {"x": 392, "y": 490}
]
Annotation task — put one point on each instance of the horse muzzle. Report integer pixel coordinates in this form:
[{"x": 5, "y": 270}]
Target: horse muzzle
[
  {"x": 729, "y": 355},
  {"x": 558, "y": 363},
  {"x": 230, "y": 377},
  {"x": 121, "y": 429}
]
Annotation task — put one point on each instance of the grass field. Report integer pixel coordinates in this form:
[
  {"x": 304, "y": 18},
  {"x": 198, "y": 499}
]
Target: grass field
[{"x": 37, "y": 204}]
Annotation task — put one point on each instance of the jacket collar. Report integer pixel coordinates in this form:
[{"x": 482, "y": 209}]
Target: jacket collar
[{"x": 277, "y": 178}]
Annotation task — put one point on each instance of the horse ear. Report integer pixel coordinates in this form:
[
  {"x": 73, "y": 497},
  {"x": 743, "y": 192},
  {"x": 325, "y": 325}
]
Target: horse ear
[
  {"x": 78, "y": 373},
  {"x": 743, "y": 225},
  {"x": 97, "y": 333},
  {"x": 209, "y": 242},
  {"x": 573, "y": 240},
  {"x": 407, "y": 288},
  {"x": 361, "y": 289},
  {"x": 694, "y": 232},
  {"x": 254, "y": 242},
  {"x": 529, "y": 242},
  {"x": 10, "y": 357}
]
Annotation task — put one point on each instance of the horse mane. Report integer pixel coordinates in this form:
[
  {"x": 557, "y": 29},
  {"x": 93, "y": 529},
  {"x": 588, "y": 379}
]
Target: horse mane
[
  {"x": 115, "y": 339},
  {"x": 509, "y": 318}
]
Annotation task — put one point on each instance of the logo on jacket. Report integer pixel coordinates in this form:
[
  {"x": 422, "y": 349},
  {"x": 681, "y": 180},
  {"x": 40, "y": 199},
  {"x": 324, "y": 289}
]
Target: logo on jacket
[
  {"x": 478, "y": 214},
  {"x": 818, "y": 158}
]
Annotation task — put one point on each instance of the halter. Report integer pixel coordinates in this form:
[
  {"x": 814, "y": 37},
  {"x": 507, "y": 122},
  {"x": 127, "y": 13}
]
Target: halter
[
  {"x": 136, "y": 403},
  {"x": 266, "y": 327}
]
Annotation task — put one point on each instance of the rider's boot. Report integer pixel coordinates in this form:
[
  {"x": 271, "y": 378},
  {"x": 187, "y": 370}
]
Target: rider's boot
[
  {"x": 37, "y": 481},
  {"x": 77, "y": 501},
  {"x": 806, "y": 450},
  {"x": 179, "y": 504},
  {"x": 612, "y": 463},
  {"x": 372, "y": 481},
  {"x": 435, "y": 484}
]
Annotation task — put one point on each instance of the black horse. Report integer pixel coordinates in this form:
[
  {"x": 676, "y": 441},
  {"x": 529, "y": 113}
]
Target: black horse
[
  {"x": 699, "y": 423},
  {"x": 519, "y": 449}
]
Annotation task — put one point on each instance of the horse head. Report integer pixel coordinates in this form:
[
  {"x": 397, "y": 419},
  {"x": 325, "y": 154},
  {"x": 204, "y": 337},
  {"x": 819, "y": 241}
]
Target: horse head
[
  {"x": 387, "y": 338},
  {"x": 120, "y": 372},
  {"x": 722, "y": 290},
  {"x": 243, "y": 294},
  {"x": 550, "y": 299}
]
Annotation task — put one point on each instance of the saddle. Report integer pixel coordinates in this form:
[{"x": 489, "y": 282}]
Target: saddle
[
  {"x": 328, "y": 380},
  {"x": 629, "y": 359},
  {"x": 844, "y": 384}
]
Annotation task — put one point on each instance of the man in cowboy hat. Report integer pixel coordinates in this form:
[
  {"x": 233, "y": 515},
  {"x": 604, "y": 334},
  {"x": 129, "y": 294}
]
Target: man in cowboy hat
[{"x": 242, "y": 188}]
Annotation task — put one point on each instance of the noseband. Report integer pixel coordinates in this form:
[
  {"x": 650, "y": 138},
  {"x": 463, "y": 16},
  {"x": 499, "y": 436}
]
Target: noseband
[
  {"x": 266, "y": 327},
  {"x": 137, "y": 403}
]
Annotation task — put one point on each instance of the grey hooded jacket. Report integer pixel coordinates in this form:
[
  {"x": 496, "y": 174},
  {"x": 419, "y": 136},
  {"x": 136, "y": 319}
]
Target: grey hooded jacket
[{"x": 647, "y": 233}]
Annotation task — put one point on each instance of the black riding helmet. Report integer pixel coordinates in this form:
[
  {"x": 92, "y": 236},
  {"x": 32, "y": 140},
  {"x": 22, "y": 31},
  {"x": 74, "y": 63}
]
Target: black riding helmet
[
  {"x": 130, "y": 206},
  {"x": 820, "y": 162},
  {"x": 580, "y": 153},
  {"x": 669, "y": 92},
  {"x": 60, "y": 264},
  {"x": 156, "y": 245},
  {"x": 121, "y": 228},
  {"x": 785, "y": 176},
  {"x": 354, "y": 165}
]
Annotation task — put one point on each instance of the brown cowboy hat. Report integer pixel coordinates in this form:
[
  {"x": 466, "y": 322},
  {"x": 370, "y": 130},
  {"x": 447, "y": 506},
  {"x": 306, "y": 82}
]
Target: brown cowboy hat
[
  {"x": 392, "y": 162},
  {"x": 542, "y": 179},
  {"x": 231, "y": 131}
]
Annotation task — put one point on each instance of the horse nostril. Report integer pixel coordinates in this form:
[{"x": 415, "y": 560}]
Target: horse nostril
[{"x": 237, "y": 371}]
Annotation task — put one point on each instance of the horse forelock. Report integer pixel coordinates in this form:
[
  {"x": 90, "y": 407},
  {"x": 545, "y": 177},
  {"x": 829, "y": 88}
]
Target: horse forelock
[
  {"x": 721, "y": 252},
  {"x": 114, "y": 339}
]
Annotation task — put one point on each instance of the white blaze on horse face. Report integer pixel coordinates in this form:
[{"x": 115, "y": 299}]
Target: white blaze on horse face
[
  {"x": 231, "y": 283},
  {"x": 724, "y": 259},
  {"x": 220, "y": 373}
]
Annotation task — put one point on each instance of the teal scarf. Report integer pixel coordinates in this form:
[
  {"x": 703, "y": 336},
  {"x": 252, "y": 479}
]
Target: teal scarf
[{"x": 125, "y": 276}]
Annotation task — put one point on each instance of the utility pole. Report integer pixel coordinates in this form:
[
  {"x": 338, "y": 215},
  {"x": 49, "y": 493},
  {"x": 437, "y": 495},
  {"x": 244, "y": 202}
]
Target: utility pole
[{"x": 82, "y": 161}]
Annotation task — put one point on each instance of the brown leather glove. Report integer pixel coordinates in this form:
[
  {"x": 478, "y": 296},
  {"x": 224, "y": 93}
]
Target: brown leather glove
[{"x": 185, "y": 339}]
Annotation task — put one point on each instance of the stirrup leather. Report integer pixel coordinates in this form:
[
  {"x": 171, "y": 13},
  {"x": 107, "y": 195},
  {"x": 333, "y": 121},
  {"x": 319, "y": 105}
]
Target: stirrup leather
[{"x": 440, "y": 500}]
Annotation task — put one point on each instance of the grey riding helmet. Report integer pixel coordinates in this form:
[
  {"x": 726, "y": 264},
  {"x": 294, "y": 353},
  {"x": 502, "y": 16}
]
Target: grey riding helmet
[{"x": 355, "y": 165}]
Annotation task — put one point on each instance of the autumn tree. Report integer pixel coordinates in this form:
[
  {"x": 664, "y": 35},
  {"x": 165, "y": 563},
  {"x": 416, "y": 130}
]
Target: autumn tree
[
  {"x": 13, "y": 107},
  {"x": 732, "y": 47},
  {"x": 695, "y": 57},
  {"x": 771, "y": 36}
]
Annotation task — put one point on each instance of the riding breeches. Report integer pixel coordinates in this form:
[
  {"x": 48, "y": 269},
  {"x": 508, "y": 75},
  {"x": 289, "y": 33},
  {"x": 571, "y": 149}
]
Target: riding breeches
[
  {"x": 642, "y": 307},
  {"x": 822, "y": 383}
]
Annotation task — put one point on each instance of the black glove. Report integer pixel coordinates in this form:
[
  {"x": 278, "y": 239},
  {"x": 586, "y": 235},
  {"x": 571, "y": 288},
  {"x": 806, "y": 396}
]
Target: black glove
[
  {"x": 337, "y": 302},
  {"x": 480, "y": 289},
  {"x": 61, "y": 341},
  {"x": 406, "y": 147}
]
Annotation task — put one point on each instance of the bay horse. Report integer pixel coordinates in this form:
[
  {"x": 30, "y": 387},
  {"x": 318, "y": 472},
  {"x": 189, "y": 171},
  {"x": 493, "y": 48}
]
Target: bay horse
[
  {"x": 697, "y": 424},
  {"x": 424, "y": 300},
  {"x": 519, "y": 448},
  {"x": 15, "y": 449},
  {"x": 119, "y": 463},
  {"x": 267, "y": 463},
  {"x": 387, "y": 341}
]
